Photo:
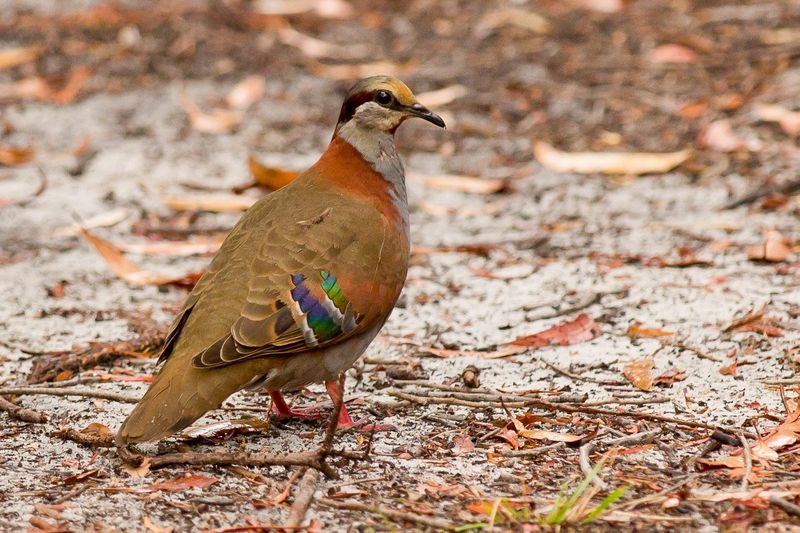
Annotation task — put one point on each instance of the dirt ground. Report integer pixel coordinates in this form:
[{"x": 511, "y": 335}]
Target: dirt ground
[{"x": 687, "y": 398}]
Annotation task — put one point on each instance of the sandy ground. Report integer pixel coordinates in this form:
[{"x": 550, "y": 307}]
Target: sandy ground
[{"x": 561, "y": 238}]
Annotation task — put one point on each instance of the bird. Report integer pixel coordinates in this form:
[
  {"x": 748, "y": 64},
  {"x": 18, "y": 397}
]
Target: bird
[{"x": 303, "y": 282}]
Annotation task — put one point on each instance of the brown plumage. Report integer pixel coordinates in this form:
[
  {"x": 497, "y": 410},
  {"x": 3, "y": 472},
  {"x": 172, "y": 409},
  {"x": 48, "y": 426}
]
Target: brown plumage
[{"x": 303, "y": 282}]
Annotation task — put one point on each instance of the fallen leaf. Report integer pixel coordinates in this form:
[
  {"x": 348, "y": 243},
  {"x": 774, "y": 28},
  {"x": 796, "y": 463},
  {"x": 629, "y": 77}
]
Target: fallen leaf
[
  {"x": 272, "y": 178},
  {"x": 29, "y": 88},
  {"x": 151, "y": 526},
  {"x": 468, "y": 184},
  {"x": 774, "y": 249},
  {"x": 140, "y": 470},
  {"x": 719, "y": 136},
  {"x": 129, "y": 271},
  {"x": 12, "y": 57},
  {"x": 669, "y": 377},
  {"x": 481, "y": 249},
  {"x": 83, "y": 476},
  {"x": 246, "y": 93},
  {"x": 750, "y": 316},
  {"x": 608, "y": 162},
  {"x": 552, "y": 436},
  {"x": 15, "y": 155},
  {"x": 216, "y": 122},
  {"x": 789, "y": 121},
  {"x": 462, "y": 444},
  {"x": 672, "y": 53},
  {"x": 635, "y": 330},
  {"x": 640, "y": 373},
  {"x": 77, "y": 78},
  {"x": 217, "y": 203},
  {"x": 729, "y": 370},
  {"x": 184, "y": 482},
  {"x": 510, "y": 436},
  {"x": 761, "y": 326},
  {"x": 442, "y": 97},
  {"x": 98, "y": 430},
  {"x": 581, "y": 329}
]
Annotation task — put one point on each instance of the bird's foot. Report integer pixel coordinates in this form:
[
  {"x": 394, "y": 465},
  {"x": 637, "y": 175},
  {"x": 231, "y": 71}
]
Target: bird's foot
[{"x": 282, "y": 410}]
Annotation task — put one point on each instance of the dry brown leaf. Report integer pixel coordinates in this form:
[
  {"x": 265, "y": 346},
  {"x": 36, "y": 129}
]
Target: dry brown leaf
[
  {"x": 750, "y": 316},
  {"x": 442, "y": 97},
  {"x": 272, "y": 178},
  {"x": 729, "y": 370},
  {"x": 12, "y": 57},
  {"x": 635, "y": 330},
  {"x": 246, "y": 93},
  {"x": 468, "y": 184},
  {"x": 96, "y": 429},
  {"x": 29, "y": 88},
  {"x": 640, "y": 373},
  {"x": 608, "y": 162},
  {"x": 363, "y": 70},
  {"x": 774, "y": 249},
  {"x": 216, "y": 122},
  {"x": 582, "y": 329},
  {"x": 129, "y": 271},
  {"x": 77, "y": 78},
  {"x": 672, "y": 53},
  {"x": 789, "y": 121},
  {"x": 217, "y": 203},
  {"x": 15, "y": 155},
  {"x": 138, "y": 471},
  {"x": 462, "y": 444},
  {"x": 552, "y": 436}
]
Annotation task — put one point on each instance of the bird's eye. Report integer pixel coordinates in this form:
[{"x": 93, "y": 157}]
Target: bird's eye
[{"x": 384, "y": 97}]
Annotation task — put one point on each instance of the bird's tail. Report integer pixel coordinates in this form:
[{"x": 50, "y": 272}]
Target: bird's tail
[{"x": 177, "y": 397}]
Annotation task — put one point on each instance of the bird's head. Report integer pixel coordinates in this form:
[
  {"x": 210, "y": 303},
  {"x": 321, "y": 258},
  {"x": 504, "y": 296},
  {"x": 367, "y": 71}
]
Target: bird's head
[{"x": 382, "y": 103}]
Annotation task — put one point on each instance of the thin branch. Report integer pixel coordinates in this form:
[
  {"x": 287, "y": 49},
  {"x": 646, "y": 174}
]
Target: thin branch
[
  {"x": 567, "y": 408},
  {"x": 76, "y": 391},
  {"x": 789, "y": 507},
  {"x": 21, "y": 413},
  {"x": 748, "y": 462},
  {"x": 411, "y": 517},
  {"x": 305, "y": 495},
  {"x": 87, "y": 439},
  {"x": 573, "y": 375}
]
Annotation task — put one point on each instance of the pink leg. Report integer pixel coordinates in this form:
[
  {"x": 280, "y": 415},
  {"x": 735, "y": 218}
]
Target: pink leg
[
  {"x": 284, "y": 411},
  {"x": 344, "y": 417},
  {"x": 345, "y": 421}
]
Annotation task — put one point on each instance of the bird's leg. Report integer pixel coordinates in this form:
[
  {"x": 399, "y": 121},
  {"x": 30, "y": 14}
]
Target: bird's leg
[
  {"x": 284, "y": 411},
  {"x": 345, "y": 421}
]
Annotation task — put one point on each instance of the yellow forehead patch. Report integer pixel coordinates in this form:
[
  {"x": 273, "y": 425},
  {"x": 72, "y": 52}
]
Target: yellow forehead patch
[{"x": 375, "y": 83}]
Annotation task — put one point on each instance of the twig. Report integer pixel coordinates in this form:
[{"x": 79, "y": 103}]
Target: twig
[
  {"x": 76, "y": 391},
  {"x": 21, "y": 413},
  {"x": 697, "y": 351},
  {"x": 567, "y": 408},
  {"x": 86, "y": 439},
  {"x": 787, "y": 188},
  {"x": 148, "y": 340},
  {"x": 789, "y": 507},
  {"x": 586, "y": 464},
  {"x": 414, "y": 518},
  {"x": 305, "y": 495},
  {"x": 581, "y": 378},
  {"x": 663, "y": 492},
  {"x": 631, "y": 440},
  {"x": 314, "y": 459},
  {"x": 748, "y": 462}
]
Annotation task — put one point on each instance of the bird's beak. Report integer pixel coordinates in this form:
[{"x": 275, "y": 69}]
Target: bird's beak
[{"x": 419, "y": 110}]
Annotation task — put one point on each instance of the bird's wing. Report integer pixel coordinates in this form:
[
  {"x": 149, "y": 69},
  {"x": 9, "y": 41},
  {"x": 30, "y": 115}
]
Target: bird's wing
[{"x": 295, "y": 296}]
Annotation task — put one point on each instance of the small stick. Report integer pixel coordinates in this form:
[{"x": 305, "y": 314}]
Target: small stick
[
  {"x": 72, "y": 391},
  {"x": 21, "y": 413},
  {"x": 535, "y": 451},
  {"x": 566, "y": 408},
  {"x": 630, "y": 440},
  {"x": 581, "y": 378},
  {"x": 789, "y": 507},
  {"x": 748, "y": 462},
  {"x": 414, "y": 518},
  {"x": 85, "y": 439},
  {"x": 305, "y": 495}
]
